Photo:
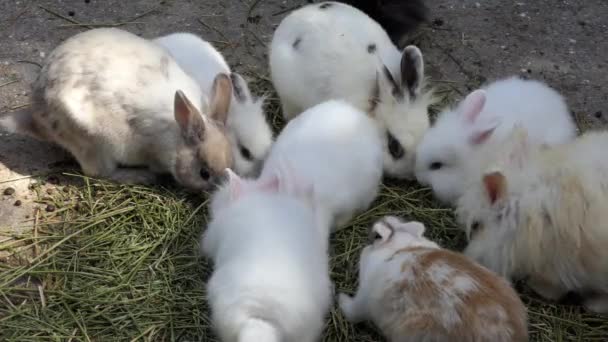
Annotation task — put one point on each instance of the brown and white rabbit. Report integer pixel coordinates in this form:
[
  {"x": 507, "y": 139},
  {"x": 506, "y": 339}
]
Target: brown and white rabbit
[
  {"x": 114, "y": 99},
  {"x": 415, "y": 291}
]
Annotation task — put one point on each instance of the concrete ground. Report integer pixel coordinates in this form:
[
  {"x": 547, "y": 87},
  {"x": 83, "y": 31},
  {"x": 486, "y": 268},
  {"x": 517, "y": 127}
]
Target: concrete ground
[{"x": 465, "y": 44}]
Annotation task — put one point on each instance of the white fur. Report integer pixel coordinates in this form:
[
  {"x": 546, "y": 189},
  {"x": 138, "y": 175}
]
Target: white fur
[
  {"x": 532, "y": 104},
  {"x": 271, "y": 278},
  {"x": 549, "y": 219},
  {"x": 337, "y": 149},
  {"x": 246, "y": 122},
  {"x": 321, "y": 54}
]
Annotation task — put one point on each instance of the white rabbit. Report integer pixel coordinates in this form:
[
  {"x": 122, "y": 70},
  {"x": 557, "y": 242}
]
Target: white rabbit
[
  {"x": 415, "y": 291},
  {"x": 248, "y": 130},
  {"x": 112, "y": 98},
  {"x": 336, "y": 148},
  {"x": 539, "y": 212},
  {"x": 271, "y": 277},
  {"x": 334, "y": 51},
  {"x": 447, "y": 151}
]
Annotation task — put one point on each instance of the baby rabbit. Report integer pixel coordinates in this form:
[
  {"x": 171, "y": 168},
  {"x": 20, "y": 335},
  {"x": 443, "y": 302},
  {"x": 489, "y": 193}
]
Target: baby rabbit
[
  {"x": 112, "y": 98},
  {"x": 397, "y": 17},
  {"x": 415, "y": 291},
  {"x": 248, "y": 130},
  {"x": 338, "y": 149},
  {"x": 334, "y": 51},
  {"x": 447, "y": 151},
  {"x": 271, "y": 278},
  {"x": 539, "y": 213}
]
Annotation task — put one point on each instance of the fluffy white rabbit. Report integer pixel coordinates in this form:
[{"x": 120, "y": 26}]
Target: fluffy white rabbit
[
  {"x": 271, "y": 278},
  {"x": 447, "y": 151},
  {"x": 112, "y": 98},
  {"x": 539, "y": 212},
  {"x": 413, "y": 290},
  {"x": 248, "y": 129},
  {"x": 334, "y": 51},
  {"x": 338, "y": 149}
]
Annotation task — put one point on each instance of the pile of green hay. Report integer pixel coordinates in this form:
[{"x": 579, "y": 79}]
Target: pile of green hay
[{"x": 118, "y": 262}]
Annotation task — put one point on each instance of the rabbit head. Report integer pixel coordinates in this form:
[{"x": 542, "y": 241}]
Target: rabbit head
[
  {"x": 249, "y": 131},
  {"x": 283, "y": 180},
  {"x": 490, "y": 209},
  {"x": 205, "y": 150},
  {"x": 390, "y": 234},
  {"x": 400, "y": 105},
  {"x": 444, "y": 156}
]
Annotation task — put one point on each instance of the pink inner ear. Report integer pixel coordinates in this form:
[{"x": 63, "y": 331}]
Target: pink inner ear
[
  {"x": 481, "y": 137},
  {"x": 472, "y": 105},
  {"x": 496, "y": 185}
]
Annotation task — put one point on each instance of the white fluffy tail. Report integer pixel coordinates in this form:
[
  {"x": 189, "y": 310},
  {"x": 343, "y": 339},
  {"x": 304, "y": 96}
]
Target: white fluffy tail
[{"x": 258, "y": 330}]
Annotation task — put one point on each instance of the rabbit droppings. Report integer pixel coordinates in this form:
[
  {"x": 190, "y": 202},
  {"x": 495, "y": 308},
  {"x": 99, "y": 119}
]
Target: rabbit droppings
[
  {"x": 539, "y": 213},
  {"x": 271, "y": 278},
  {"x": 338, "y": 149},
  {"x": 112, "y": 98},
  {"x": 415, "y": 291},
  {"x": 248, "y": 130},
  {"x": 448, "y": 150},
  {"x": 334, "y": 51}
]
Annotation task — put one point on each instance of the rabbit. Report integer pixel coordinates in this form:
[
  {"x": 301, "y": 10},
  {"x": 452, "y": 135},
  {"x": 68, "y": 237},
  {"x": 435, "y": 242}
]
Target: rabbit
[
  {"x": 397, "y": 17},
  {"x": 413, "y": 290},
  {"x": 248, "y": 130},
  {"x": 271, "y": 275},
  {"x": 447, "y": 151},
  {"x": 334, "y": 51},
  {"x": 114, "y": 99},
  {"x": 538, "y": 212},
  {"x": 338, "y": 149}
]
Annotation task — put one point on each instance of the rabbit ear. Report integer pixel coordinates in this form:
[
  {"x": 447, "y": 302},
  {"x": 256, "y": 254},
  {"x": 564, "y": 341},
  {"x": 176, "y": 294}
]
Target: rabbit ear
[
  {"x": 189, "y": 119},
  {"x": 472, "y": 105},
  {"x": 412, "y": 70},
  {"x": 495, "y": 184},
  {"x": 381, "y": 231},
  {"x": 482, "y": 132},
  {"x": 413, "y": 228},
  {"x": 221, "y": 94},
  {"x": 235, "y": 184},
  {"x": 240, "y": 89}
]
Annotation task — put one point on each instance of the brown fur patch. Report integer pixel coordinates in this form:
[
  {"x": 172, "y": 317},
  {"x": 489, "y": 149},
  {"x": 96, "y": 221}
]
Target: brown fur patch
[{"x": 476, "y": 312}]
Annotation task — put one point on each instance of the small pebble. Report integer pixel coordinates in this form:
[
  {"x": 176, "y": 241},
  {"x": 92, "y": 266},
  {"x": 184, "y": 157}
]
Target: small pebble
[
  {"x": 50, "y": 208},
  {"x": 71, "y": 13},
  {"x": 598, "y": 114},
  {"x": 66, "y": 189},
  {"x": 17, "y": 203},
  {"x": 9, "y": 191},
  {"x": 49, "y": 191}
]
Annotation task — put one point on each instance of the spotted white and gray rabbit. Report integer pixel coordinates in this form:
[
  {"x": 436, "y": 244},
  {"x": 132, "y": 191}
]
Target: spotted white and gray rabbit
[
  {"x": 338, "y": 149},
  {"x": 448, "y": 151},
  {"x": 334, "y": 51},
  {"x": 397, "y": 17},
  {"x": 539, "y": 213},
  {"x": 415, "y": 291},
  {"x": 248, "y": 130},
  {"x": 271, "y": 277},
  {"x": 114, "y": 99}
]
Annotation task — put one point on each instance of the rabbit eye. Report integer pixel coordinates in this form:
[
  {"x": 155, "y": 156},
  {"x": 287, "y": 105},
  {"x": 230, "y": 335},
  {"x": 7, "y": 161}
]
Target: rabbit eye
[
  {"x": 475, "y": 228},
  {"x": 436, "y": 166},
  {"x": 245, "y": 153},
  {"x": 394, "y": 147},
  {"x": 204, "y": 173}
]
